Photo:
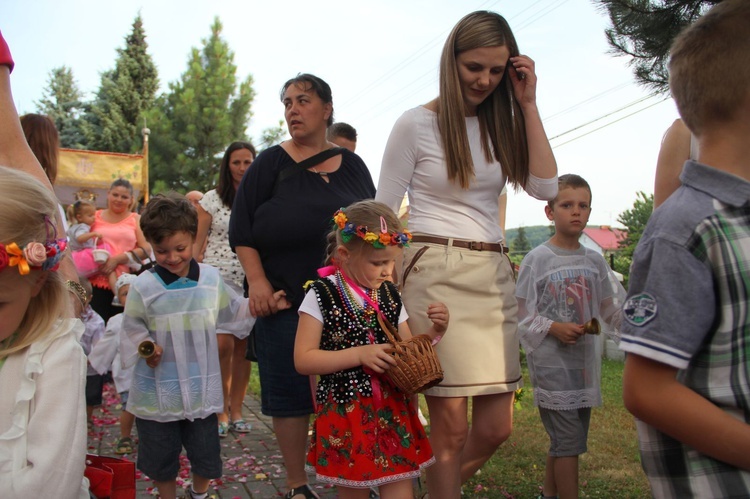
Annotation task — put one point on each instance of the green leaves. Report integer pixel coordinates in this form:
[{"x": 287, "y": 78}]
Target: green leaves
[
  {"x": 643, "y": 30},
  {"x": 199, "y": 117}
]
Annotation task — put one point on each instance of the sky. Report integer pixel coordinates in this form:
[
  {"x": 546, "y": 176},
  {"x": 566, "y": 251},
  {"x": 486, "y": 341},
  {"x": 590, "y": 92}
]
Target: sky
[{"x": 380, "y": 58}]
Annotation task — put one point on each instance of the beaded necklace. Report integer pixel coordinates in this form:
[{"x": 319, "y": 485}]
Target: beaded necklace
[{"x": 364, "y": 313}]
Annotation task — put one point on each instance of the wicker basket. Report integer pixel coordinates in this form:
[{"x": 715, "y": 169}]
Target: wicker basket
[{"x": 417, "y": 366}]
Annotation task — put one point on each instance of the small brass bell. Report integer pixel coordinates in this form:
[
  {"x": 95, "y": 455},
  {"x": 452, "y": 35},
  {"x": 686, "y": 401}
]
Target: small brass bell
[
  {"x": 146, "y": 349},
  {"x": 592, "y": 327}
]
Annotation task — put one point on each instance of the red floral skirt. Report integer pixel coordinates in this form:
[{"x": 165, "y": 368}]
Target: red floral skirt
[{"x": 361, "y": 444}]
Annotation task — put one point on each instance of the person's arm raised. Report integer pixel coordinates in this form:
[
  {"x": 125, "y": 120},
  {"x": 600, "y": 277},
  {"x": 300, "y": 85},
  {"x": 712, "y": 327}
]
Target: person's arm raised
[{"x": 542, "y": 162}]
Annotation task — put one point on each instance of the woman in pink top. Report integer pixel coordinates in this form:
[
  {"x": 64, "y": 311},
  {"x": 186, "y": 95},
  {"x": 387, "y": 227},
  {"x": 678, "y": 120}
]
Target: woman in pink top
[{"x": 120, "y": 228}]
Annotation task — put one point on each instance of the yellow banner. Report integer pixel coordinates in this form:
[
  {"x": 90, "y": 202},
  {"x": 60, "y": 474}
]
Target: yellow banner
[{"x": 90, "y": 173}]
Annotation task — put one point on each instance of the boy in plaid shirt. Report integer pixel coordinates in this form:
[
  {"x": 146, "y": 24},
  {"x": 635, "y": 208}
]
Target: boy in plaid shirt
[{"x": 687, "y": 316}]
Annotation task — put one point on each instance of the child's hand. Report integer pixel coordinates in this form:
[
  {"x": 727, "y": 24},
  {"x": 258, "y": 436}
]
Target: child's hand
[
  {"x": 97, "y": 234},
  {"x": 281, "y": 302},
  {"x": 566, "y": 332},
  {"x": 377, "y": 357},
  {"x": 154, "y": 360},
  {"x": 438, "y": 313}
]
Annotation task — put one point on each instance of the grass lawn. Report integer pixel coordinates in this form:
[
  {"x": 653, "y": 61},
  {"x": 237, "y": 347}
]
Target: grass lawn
[{"x": 610, "y": 469}]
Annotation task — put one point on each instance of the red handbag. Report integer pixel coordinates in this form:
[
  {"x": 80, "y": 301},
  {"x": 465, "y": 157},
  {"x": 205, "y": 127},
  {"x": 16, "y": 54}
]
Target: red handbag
[{"x": 110, "y": 477}]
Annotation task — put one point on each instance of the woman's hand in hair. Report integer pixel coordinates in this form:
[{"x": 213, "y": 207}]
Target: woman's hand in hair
[{"x": 523, "y": 78}]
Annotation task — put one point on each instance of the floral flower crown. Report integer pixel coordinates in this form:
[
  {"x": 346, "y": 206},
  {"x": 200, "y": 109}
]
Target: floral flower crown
[
  {"x": 380, "y": 241},
  {"x": 34, "y": 255}
]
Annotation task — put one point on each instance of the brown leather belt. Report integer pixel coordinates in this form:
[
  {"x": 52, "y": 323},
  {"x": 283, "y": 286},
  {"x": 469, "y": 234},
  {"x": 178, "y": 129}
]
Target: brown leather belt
[{"x": 458, "y": 243}]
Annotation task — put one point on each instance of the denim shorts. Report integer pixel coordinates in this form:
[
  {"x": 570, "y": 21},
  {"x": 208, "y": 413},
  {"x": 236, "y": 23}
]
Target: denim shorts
[
  {"x": 283, "y": 391},
  {"x": 568, "y": 430},
  {"x": 160, "y": 444},
  {"x": 94, "y": 388},
  {"x": 124, "y": 398}
]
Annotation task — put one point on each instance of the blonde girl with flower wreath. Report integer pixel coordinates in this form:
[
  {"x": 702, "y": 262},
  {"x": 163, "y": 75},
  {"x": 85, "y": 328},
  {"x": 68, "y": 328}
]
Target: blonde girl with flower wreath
[
  {"x": 366, "y": 432},
  {"x": 42, "y": 366}
]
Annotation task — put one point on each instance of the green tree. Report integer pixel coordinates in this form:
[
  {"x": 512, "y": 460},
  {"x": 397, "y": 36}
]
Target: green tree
[
  {"x": 643, "y": 30},
  {"x": 199, "y": 117},
  {"x": 519, "y": 246},
  {"x": 63, "y": 102},
  {"x": 272, "y": 136},
  {"x": 634, "y": 220},
  {"x": 116, "y": 117}
]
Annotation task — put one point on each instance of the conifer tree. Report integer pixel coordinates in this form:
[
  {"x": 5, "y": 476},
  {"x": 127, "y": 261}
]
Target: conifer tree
[
  {"x": 116, "y": 117},
  {"x": 200, "y": 115},
  {"x": 643, "y": 30},
  {"x": 63, "y": 102}
]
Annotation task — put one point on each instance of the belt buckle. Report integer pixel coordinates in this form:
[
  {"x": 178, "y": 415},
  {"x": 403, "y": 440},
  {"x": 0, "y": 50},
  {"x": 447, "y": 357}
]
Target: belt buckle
[{"x": 476, "y": 245}]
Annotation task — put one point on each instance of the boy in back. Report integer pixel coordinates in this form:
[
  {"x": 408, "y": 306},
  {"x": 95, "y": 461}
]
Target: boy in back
[
  {"x": 176, "y": 391},
  {"x": 687, "y": 316},
  {"x": 562, "y": 286}
]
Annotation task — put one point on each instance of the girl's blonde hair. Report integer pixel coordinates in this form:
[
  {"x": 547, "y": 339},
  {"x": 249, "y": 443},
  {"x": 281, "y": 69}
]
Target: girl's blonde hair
[
  {"x": 75, "y": 208},
  {"x": 365, "y": 213},
  {"x": 27, "y": 211},
  {"x": 501, "y": 122}
]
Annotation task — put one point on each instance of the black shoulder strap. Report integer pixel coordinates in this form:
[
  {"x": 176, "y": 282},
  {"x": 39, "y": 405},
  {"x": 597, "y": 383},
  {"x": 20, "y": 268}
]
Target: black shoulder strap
[{"x": 306, "y": 165}]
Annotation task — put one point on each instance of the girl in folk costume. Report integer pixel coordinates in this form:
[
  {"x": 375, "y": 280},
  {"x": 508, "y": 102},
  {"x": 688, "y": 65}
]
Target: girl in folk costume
[{"x": 366, "y": 432}]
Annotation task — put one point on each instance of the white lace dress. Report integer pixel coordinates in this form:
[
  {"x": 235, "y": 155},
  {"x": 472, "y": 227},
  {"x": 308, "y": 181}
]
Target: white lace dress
[
  {"x": 218, "y": 253},
  {"x": 558, "y": 285},
  {"x": 182, "y": 317}
]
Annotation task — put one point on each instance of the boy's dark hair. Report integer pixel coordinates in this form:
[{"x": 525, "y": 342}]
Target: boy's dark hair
[
  {"x": 341, "y": 129},
  {"x": 570, "y": 180},
  {"x": 309, "y": 82},
  {"x": 165, "y": 215},
  {"x": 709, "y": 66}
]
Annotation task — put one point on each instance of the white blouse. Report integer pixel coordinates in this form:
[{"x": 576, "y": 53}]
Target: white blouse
[
  {"x": 43, "y": 417},
  {"x": 414, "y": 163}
]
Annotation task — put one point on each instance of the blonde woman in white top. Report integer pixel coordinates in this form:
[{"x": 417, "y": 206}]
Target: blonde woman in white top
[{"x": 453, "y": 156}]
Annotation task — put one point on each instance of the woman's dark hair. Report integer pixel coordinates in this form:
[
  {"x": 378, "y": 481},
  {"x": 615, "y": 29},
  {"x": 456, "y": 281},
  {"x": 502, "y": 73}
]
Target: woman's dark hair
[
  {"x": 121, "y": 182},
  {"x": 44, "y": 141},
  {"x": 307, "y": 82},
  {"x": 225, "y": 188}
]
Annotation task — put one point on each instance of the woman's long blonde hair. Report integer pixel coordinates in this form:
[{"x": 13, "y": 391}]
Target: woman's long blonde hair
[
  {"x": 27, "y": 213},
  {"x": 501, "y": 122}
]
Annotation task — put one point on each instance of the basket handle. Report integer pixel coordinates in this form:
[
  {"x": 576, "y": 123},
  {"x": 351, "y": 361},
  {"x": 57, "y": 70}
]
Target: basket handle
[{"x": 390, "y": 331}]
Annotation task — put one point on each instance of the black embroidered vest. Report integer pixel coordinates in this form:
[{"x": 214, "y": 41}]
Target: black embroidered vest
[{"x": 341, "y": 330}]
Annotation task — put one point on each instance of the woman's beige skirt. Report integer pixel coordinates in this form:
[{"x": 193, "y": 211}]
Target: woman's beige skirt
[{"x": 479, "y": 353}]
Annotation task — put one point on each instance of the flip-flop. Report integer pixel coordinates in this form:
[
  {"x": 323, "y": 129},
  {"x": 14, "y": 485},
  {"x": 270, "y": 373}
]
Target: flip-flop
[
  {"x": 240, "y": 426},
  {"x": 223, "y": 429}
]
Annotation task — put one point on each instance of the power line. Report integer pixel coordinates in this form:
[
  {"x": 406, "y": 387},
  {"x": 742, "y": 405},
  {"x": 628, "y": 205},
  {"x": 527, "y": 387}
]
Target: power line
[
  {"x": 605, "y": 115},
  {"x": 593, "y": 98},
  {"x": 610, "y": 123}
]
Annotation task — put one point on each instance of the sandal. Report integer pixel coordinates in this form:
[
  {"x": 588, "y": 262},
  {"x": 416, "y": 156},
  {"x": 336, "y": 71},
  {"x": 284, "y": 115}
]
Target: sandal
[
  {"x": 124, "y": 445},
  {"x": 223, "y": 429},
  {"x": 240, "y": 426},
  {"x": 303, "y": 490}
]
